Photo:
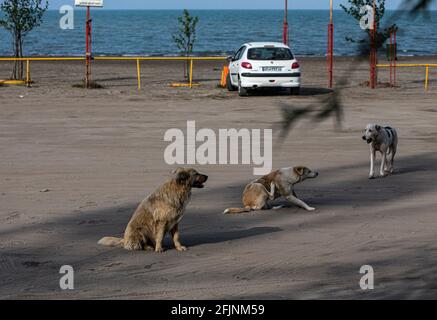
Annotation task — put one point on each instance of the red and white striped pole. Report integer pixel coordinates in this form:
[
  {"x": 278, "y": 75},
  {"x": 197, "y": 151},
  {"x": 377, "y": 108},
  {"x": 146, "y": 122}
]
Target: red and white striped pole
[{"x": 330, "y": 54}]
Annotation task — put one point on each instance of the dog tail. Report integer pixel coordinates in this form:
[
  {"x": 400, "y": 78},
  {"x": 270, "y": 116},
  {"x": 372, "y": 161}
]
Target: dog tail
[
  {"x": 237, "y": 210},
  {"x": 111, "y": 242}
]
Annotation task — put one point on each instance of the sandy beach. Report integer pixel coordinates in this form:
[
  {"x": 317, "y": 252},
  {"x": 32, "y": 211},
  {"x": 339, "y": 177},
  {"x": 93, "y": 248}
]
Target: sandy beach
[{"x": 75, "y": 163}]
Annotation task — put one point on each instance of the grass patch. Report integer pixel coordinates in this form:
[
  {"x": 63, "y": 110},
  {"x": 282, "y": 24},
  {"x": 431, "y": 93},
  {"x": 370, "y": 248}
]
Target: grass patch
[{"x": 93, "y": 85}]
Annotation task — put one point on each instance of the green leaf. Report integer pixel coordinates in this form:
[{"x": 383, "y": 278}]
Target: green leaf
[{"x": 186, "y": 36}]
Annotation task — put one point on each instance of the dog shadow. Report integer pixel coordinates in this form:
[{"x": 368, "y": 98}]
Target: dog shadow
[
  {"x": 413, "y": 176},
  {"x": 349, "y": 185},
  {"x": 215, "y": 237}
]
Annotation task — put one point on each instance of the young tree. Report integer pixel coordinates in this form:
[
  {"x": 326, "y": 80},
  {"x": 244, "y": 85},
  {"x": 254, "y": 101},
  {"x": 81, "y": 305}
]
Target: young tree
[
  {"x": 354, "y": 10},
  {"x": 19, "y": 18},
  {"x": 186, "y": 36}
]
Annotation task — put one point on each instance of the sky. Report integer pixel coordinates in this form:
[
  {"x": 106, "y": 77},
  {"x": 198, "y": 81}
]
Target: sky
[{"x": 219, "y": 4}]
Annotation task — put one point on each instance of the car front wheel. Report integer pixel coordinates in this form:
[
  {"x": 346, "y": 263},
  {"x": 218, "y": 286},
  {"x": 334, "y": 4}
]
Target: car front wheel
[{"x": 241, "y": 91}]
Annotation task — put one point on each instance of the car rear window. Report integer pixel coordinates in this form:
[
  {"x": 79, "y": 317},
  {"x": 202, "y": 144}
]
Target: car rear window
[{"x": 269, "y": 54}]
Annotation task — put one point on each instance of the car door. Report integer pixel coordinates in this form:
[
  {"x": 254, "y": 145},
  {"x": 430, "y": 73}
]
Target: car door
[{"x": 234, "y": 65}]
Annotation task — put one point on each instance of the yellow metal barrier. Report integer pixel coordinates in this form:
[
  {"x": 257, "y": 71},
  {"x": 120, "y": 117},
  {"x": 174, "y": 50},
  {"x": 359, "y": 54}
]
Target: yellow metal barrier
[
  {"x": 27, "y": 72},
  {"x": 137, "y": 59},
  {"x": 139, "y": 74},
  {"x": 414, "y": 65},
  {"x": 426, "y": 77},
  {"x": 191, "y": 73},
  {"x": 158, "y": 58},
  {"x": 43, "y": 59}
]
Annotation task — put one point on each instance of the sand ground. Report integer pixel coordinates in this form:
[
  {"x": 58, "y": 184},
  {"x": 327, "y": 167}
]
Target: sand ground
[{"x": 75, "y": 163}]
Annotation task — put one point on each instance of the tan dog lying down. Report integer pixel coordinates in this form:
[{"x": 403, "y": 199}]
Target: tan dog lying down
[
  {"x": 276, "y": 184},
  {"x": 159, "y": 213}
]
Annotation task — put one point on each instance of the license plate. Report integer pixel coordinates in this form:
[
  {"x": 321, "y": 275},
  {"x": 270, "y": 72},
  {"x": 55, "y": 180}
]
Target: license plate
[{"x": 270, "y": 69}]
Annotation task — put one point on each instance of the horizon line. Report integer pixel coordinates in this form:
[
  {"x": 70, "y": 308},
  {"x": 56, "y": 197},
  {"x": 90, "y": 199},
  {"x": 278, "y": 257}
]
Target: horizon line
[{"x": 215, "y": 9}]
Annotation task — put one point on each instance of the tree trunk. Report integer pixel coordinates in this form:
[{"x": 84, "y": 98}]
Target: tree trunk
[
  {"x": 18, "y": 70},
  {"x": 21, "y": 65},
  {"x": 187, "y": 67},
  {"x": 14, "y": 70}
]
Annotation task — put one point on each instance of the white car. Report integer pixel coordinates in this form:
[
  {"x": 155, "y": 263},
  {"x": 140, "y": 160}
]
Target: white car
[{"x": 263, "y": 64}]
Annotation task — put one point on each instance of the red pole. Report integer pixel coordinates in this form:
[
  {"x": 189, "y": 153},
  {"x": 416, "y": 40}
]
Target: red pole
[
  {"x": 373, "y": 50},
  {"x": 285, "y": 39},
  {"x": 88, "y": 48},
  {"x": 330, "y": 54},
  {"x": 395, "y": 57},
  {"x": 390, "y": 56}
]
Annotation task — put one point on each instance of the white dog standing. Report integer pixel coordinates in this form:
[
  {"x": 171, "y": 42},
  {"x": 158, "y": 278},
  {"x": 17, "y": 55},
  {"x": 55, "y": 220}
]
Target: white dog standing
[{"x": 384, "y": 140}]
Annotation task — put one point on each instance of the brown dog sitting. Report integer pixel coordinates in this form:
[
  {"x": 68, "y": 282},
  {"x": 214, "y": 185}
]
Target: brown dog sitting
[{"x": 159, "y": 213}]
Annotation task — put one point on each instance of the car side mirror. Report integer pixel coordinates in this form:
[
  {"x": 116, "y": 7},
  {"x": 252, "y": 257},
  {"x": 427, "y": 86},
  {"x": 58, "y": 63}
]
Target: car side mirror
[{"x": 231, "y": 58}]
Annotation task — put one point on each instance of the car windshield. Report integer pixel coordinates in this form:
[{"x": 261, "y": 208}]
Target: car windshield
[{"x": 269, "y": 54}]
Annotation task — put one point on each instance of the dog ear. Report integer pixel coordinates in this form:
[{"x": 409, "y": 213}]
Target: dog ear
[
  {"x": 182, "y": 177},
  {"x": 378, "y": 128},
  {"x": 299, "y": 170}
]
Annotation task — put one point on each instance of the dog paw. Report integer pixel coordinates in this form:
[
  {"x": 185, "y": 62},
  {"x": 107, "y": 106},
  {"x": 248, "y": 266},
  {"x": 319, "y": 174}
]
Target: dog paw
[
  {"x": 159, "y": 250},
  {"x": 181, "y": 248},
  {"x": 371, "y": 177},
  {"x": 226, "y": 211},
  {"x": 310, "y": 209}
]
